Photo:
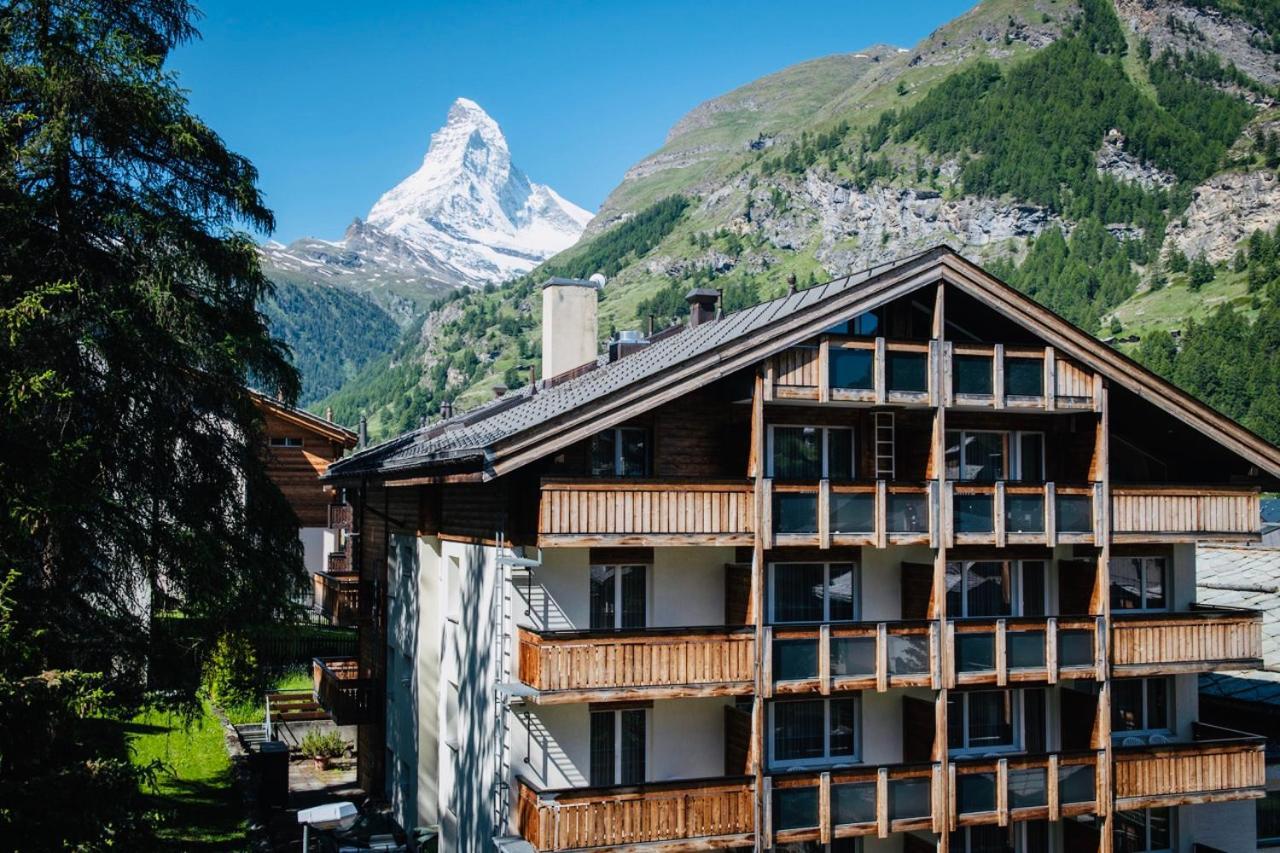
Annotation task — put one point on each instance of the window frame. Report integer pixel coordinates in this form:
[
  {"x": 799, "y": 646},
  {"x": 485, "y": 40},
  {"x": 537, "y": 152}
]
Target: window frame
[
  {"x": 1147, "y": 729},
  {"x": 617, "y": 713},
  {"x": 1012, "y": 456},
  {"x": 1018, "y": 725},
  {"x": 292, "y": 442},
  {"x": 1166, "y": 581},
  {"x": 618, "y": 468},
  {"x": 617, "y": 593},
  {"x": 1015, "y": 581},
  {"x": 1146, "y": 830},
  {"x": 826, "y": 448},
  {"x": 826, "y": 759},
  {"x": 856, "y": 591}
]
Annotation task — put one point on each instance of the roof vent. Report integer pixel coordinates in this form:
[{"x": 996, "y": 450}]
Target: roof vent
[
  {"x": 626, "y": 343},
  {"x": 702, "y": 305}
]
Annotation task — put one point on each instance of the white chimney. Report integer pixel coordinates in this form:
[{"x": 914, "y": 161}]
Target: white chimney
[{"x": 569, "y": 325}]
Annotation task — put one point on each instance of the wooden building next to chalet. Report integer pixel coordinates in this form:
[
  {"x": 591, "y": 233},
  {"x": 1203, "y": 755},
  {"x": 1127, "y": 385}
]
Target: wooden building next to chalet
[
  {"x": 901, "y": 562},
  {"x": 300, "y": 448}
]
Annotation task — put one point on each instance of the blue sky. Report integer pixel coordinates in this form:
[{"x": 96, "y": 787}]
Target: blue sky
[{"x": 335, "y": 101}]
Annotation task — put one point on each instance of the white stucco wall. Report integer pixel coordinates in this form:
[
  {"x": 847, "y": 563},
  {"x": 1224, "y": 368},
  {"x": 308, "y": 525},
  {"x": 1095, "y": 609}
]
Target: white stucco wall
[
  {"x": 1225, "y": 826},
  {"x": 317, "y": 544}
]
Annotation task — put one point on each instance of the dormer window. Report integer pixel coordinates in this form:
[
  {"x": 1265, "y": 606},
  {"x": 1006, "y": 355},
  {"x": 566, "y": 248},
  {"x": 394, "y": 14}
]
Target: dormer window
[
  {"x": 863, "y": 326},
  {"x": 620, "y": 452}
]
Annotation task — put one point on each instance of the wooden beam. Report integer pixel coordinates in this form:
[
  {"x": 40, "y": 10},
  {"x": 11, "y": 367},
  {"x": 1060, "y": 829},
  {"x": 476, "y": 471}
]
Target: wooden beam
[
  {"x": 882, "y": 657},
  {"x": 882, "y": 802},
  {"x": 881, "y": 373},
  {"x": 824, "y": 659},
  {"x": 1002, "y": 792},
  {"x": 824, "y": 808},
  {"x": 997, "y": 376},
  {"x": 824, "y": 370},
  {"x": 1001, "y": 655},
  {"x": 1051, "y": 789},
  {"x": 1050, "y": 381},
  {"x": 824, "y": 514},
  {"x": 1051, "y": 649}
]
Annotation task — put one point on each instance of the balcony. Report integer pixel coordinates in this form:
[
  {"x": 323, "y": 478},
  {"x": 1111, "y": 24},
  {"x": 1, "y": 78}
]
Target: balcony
[
  {"x": 710, "y": 813},
  {"x": 340, "y": 517},
  {"x": 348, "y": 694},
  {"x": 342, "y": 598},
  {"x": 1185, "y": 513},
  {"x": 854, "y": 370},
  {"x": 1206, "y": 639},
  {"x": 826, "y": 514},
  {"x": 1003, "y": 514},
  {"x": 645, "y": 512},
  {"x": 995, "y": 376},
  {"x": 846, "y": 803},
  {"x": 338, "y": 562},
  {"x": 1218, "y": 764},
  {"x": 987, "y": 791},
  {"x": 654, "y": 663},
  {"x": 879, "y": 656}
]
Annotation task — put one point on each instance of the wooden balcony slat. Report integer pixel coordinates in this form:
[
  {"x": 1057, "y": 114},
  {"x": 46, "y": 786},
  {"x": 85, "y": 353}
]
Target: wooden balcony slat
[
  {"x": 1185, "y": 773},
  {"x": 1196, "y": 641},
  {"x": 1139, "y": 512}
]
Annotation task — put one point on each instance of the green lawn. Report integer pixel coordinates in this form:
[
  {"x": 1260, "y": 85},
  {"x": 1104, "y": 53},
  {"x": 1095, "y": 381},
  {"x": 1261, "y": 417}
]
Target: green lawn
[{"x": 197, "y": 807}]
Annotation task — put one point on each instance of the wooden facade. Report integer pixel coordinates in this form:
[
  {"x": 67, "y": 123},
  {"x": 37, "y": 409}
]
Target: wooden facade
[
  {"x": 300, "y": 447},
  {"x": 709, "y": 482}
]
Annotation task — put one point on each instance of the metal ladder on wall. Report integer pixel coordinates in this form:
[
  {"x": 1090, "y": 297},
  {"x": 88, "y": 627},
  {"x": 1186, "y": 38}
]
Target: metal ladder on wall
[
  {"x": 506, "y": 689},
  {"x": 884, "y": 445}
]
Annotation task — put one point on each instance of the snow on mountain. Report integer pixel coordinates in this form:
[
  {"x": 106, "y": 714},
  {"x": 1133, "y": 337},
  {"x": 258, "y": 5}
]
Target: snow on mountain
[
  {"x": 471, "y": 207},
  {"x": 466, "y": 217}
]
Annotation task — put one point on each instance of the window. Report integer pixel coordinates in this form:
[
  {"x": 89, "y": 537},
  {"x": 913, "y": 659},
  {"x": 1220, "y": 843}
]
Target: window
[
  {"x": 811, "y": 453},
  {"x": 864, "y": 325},
  {"x": 985, "y": 457},
  {"x": 620, "y": 452},
  {"x": 1139, "y": 705},
  {"x": 978, "y": 588},
  {"x": 972, "y": 374},
  {"x": 813, "y": 592},
  {"x": 984, "y": 721},
  {"x": 1268, "y": 815},
  {"x": 618, "y": 746},
  {"x": 1139, "y": 583},
  {"x": 853, "y": 369},
  {"x": 619, "y": 597},
  {"x": 285, "y": 441},
  {"x": 1143, "y": 831},
  {"x": 1023, "y": 377},
  {"x": 813, "y": 731},
  {"x": 837, "y": 845},
  {"x": 1021, "y": 837}
]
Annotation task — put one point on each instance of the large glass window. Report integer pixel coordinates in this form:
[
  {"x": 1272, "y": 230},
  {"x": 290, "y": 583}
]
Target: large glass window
[
  {"x": 907, "y": 371},
  {"x": 1023, "y": 377},
  {"x": 851, "y": 368},
  {"x": 811, "y": 453},
  {"x": 972, "y": 374},
  {"x": 1143, "y": 831},
  {"x": 813, "y": 592},
  {"x": 619, "y": 597},
  {"x": 813, "y": 731},
  {"x": 992, "y": 588},
  {"x": 618, "y": 746},
  {"x": 978, "y": 456},
  {"x": 1139, "y": 705},
  {"x": 620, "y": 452},
  {"x": 984, "y": 721},
  {"x": 1139, "y": 583},
  {"x": 864, "y": 325}
]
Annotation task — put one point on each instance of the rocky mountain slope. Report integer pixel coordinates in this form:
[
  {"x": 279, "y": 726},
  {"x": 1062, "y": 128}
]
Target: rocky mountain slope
[
  {"x": 1074, "y": 145},
  {"x": 467, "y": 217}
]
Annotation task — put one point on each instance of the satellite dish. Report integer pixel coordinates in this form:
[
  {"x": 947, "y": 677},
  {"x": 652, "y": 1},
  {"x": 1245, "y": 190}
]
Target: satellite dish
[{"x": 599, "y": 280}]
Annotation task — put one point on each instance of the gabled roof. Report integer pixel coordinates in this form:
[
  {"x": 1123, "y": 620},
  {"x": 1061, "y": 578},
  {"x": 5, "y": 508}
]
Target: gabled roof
[
  {"x": 1248, "y": 577},
  {"x": 304, "y": 420},
  {"x": 532, "y": 422}
]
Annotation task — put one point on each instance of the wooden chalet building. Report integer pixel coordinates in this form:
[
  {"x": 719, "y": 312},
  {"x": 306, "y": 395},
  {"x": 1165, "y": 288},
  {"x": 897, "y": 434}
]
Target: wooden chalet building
[
  {"x": 300, "y": 447},
  {"x": 901, "y": 562}
]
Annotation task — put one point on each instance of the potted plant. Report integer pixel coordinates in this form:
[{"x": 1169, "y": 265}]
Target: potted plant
[{"x": 323, "y": 747}]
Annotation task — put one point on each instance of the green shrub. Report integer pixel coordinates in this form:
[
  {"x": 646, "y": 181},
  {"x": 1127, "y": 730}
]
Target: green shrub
[
  {"x": 324, "y": 745},
  {"x": 231, "y": 674}
]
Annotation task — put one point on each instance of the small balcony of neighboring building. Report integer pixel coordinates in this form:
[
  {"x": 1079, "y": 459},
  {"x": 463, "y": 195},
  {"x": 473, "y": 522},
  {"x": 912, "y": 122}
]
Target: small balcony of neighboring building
[
  {"x": 342, "y": 598},
  {"x": 340, "y": 517},
  {"x": 1165, "y": 513},
  {"x": 1214, "y": 765},
  {"x": 1203, "y": 639},
  {"x": 349, "y": 693}
]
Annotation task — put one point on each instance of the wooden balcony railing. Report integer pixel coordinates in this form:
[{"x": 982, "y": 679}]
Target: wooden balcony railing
[
  {"x": 1001, "y": 514},
  {"x": 879, "y": 656},
  {"x": 1218, "y": 764},
  {"x": 846, "y": 803},
  {"x": 645, "y": 512},
  {"x": 717, "y": 812},
  {"x": 340, "y": 517},
  {"x": 654, "y": 663},
  {"x": 1024, "y": 649},
  {"x": 342, "y": 598},
  {"x": 863, "y": 656},
  {"x": 826, "y": 514},
  {"x": 879, "y": 372},
  {"x": 1184, "y": 513},
  {"x": 338, "y": 562},
  {"x": 1205, "y": 639},
  {"x": 995, "y": 376},
  {"x": 862, "y": 370},
  {"x": 348, "y": 694},
  {"x": 1026, "y": 787}
]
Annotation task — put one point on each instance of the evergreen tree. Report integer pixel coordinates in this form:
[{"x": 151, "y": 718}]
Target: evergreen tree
[{"x": 130, "y": 450}]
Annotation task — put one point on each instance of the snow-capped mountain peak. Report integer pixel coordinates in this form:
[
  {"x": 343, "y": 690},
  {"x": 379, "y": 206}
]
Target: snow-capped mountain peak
[{"x": 470, "y": 207}]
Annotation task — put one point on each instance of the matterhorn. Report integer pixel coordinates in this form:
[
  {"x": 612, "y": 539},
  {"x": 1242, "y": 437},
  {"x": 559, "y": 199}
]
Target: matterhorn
[{"x": 467, "y": 216}]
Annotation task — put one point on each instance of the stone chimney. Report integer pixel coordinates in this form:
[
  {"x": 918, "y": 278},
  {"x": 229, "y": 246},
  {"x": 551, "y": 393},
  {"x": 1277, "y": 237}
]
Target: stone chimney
[
  {"x": 569, "y": 324},
  {"x": 702, "y": 305}
]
